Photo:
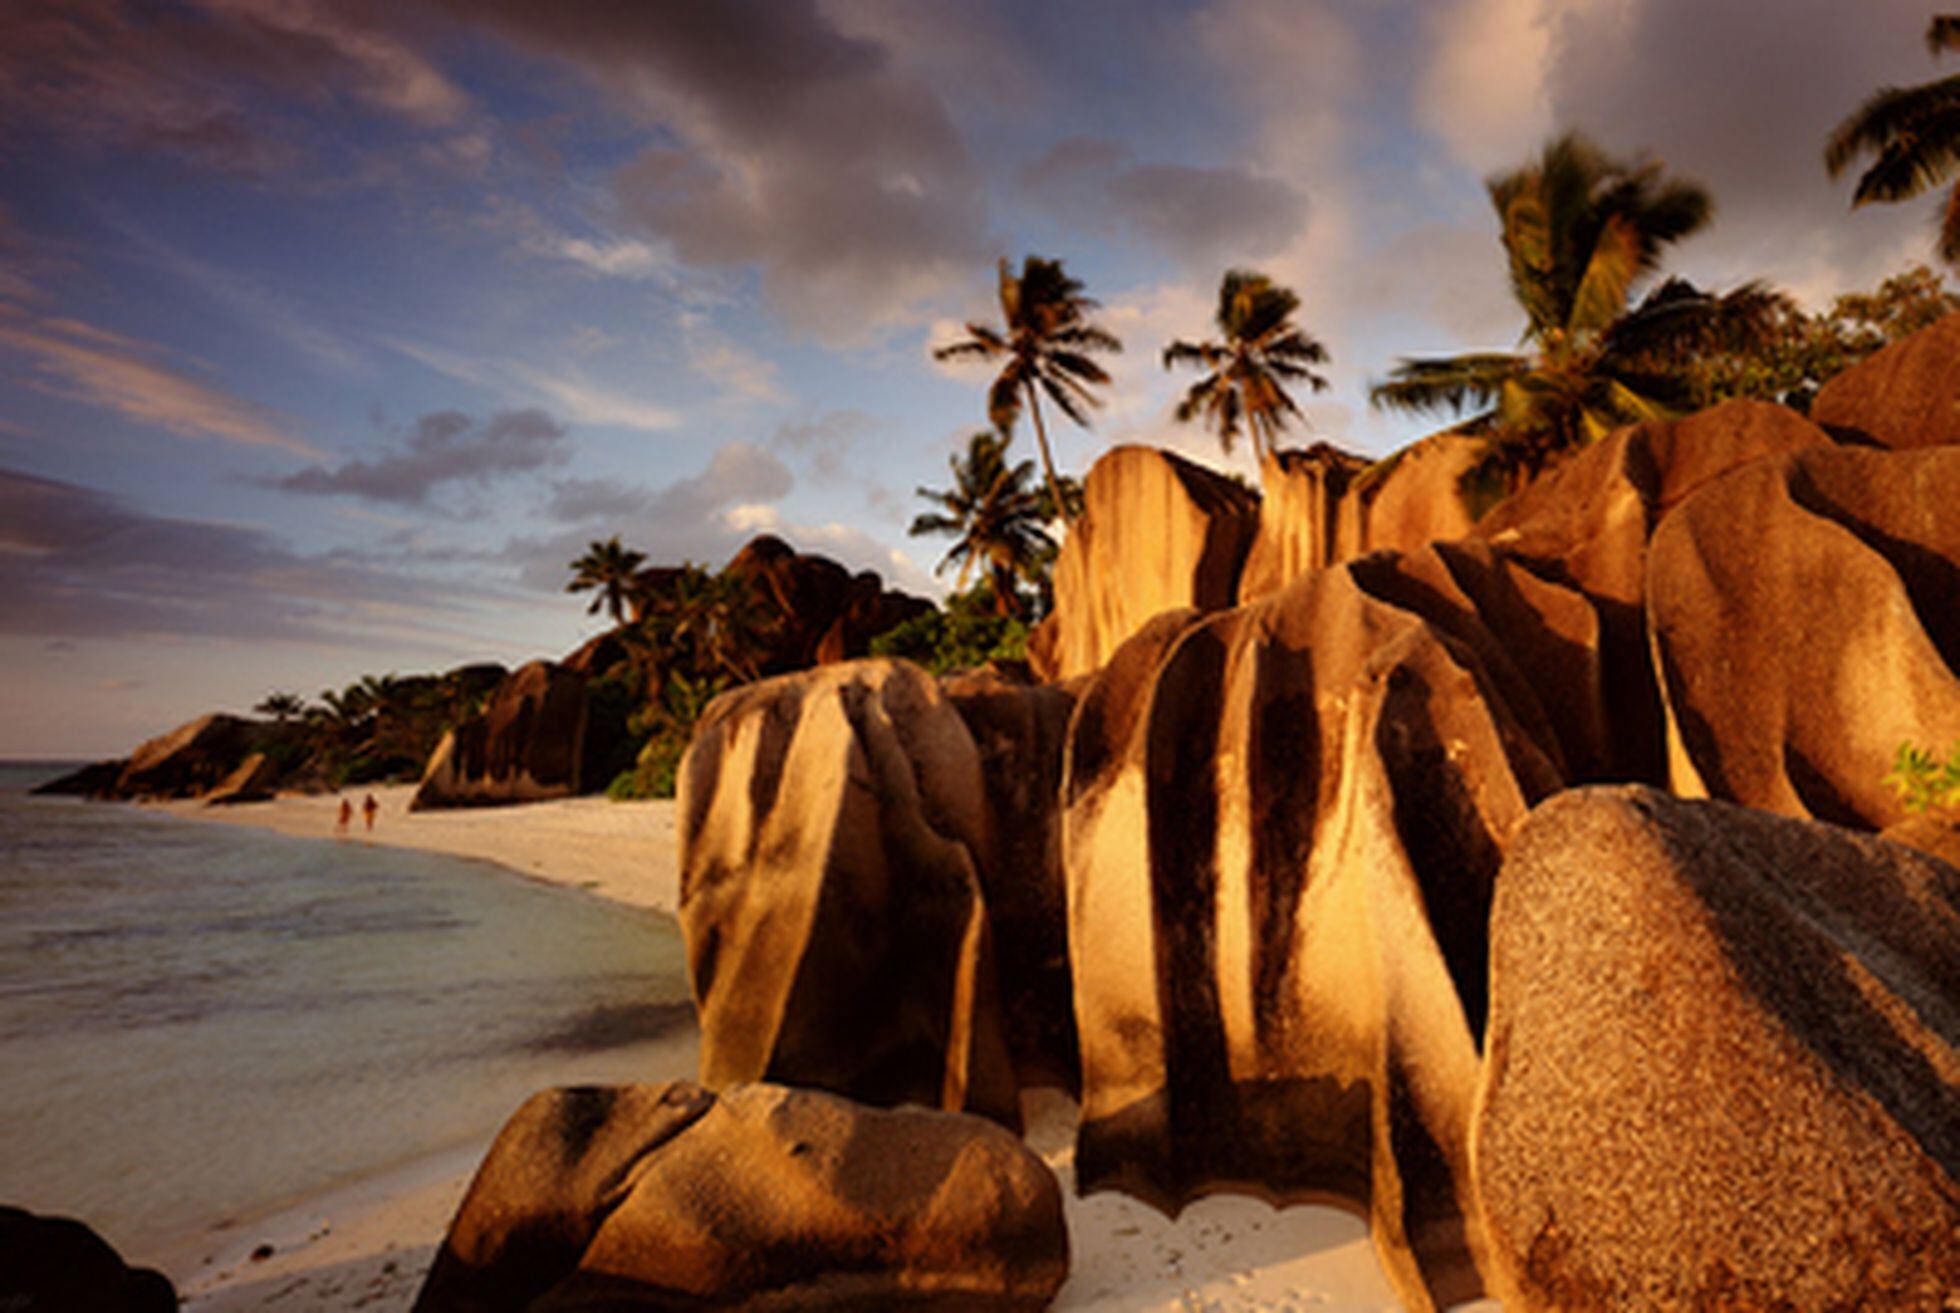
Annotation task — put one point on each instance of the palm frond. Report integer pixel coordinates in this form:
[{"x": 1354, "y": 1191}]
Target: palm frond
[{"x": 1458, "y": 383}]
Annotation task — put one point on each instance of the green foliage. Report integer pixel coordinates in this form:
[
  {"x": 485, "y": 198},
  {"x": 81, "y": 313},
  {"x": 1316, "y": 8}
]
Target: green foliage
[
  {"x": 1259, "y": 351},
  {"x": 1922, "y": 781},
  {"x": 995, "y": 519},
  {"x": 969, "y": 632},
  {"x": 668, "y": 724}
]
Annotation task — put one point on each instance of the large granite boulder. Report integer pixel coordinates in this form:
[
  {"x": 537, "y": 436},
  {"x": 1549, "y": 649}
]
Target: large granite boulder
[
  {"x": 813, "y": 610},
  {"x": 833, "y": 828},
  {"x": 525, "y": 746},
  {"x": 1156, "y": 533},
  {"x": 1906, "y": 395},
  {"x": 1805, "y": 615},
  {"x": 95, "y": 780},
  {"x": 1587, "y": 522},
  {"x": 254, "y": 780},
  {"x": 670, "y": 1197},
  {"x": 58, "y": 1265},
  {"x": 1722, "y": 1066},
  {"x": 1281, "y": 828},
  {"x": 190, "y": 760},
  {"x": 1020, "y": 730},
  {"x": 1321, "y": 506}
]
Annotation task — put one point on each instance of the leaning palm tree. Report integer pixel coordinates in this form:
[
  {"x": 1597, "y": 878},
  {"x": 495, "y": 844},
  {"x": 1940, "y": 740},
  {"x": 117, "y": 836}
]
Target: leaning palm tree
[
  {"x": 282, "y": 706},
  {"x": 1913, "y": 133},
  {"x": 1582, "y": 231},
  {"x": 610, "y": 570},
  {"x": 994, "y": 518},
  {"x": 1260, "y": 350},
  {"x": 1043, "y": 348}
]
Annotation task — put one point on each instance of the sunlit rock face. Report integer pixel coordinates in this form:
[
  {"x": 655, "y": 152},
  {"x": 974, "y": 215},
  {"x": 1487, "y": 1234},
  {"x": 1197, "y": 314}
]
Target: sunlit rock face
[
  {"x": 672, "y": 1197},
  {"x": 1723, "y": 1063},
  {"x": 1806, "y": 621},
  {"x": 524, "y": 746},
  {"x": 1587, "y": 524},
  {"x": 833, "y": 828},
  {"x": 1281, "y": 827},
  {"x": 190, "y": 760},
  {"x": 1907, "y": 395},
  {"x": 1157, "y": 532}
]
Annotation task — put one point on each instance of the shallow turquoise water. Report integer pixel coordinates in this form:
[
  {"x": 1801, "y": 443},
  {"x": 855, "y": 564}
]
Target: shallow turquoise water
[{"x": 200, "y": 1022}]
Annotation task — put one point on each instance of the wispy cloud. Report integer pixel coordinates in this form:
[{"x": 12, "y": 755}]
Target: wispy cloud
[
  {"x": 568, "y": 389},
  {"x": 128, "y": 376},
  {"x": 443, "y": 447}
]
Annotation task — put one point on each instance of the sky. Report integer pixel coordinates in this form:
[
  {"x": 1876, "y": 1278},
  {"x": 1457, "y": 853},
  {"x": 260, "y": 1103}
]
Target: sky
[{"x": 331, "y": 331}]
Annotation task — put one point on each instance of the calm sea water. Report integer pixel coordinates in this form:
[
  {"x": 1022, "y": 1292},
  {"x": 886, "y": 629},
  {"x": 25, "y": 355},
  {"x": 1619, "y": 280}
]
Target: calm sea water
[{"x": 199, "y": 1022}]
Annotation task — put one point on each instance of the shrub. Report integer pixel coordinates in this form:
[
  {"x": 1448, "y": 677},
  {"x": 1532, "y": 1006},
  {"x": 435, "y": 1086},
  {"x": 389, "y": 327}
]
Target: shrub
[
  {"x": 965, "y": 634},
  {"x": 1922, "y": 780}
]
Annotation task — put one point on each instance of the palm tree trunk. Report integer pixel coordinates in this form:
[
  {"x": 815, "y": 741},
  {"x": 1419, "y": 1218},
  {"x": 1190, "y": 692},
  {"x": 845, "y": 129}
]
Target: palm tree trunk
[
  {"x": 1007, "y": 600},
  {"x": 1047, "y": 461}
]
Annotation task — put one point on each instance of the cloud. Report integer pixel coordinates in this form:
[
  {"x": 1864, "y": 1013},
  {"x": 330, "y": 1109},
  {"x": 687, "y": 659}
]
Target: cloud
[
  {"x": 612, "y": 258},
  {"x": 206, "y": 82},
  {"x": 567, "y": 388},
  {"x": 122, "y": 374},
  {"x": 1200, "y": 216},
  {"x": 77, "y": 563},
  {"x": 823, "y": 443},
  {"x": 1483, "y": 93},
  {"x": 785, "y": 145},
  {"x": 443, "y": 447}
]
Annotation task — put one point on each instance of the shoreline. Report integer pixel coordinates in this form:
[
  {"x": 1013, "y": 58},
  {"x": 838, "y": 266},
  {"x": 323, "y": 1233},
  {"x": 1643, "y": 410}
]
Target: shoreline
[{"x": 367, "y": 1243}]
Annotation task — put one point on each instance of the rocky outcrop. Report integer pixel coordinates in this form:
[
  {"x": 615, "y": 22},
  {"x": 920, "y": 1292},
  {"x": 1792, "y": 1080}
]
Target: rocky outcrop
[
  {"x": 1019, "y": 729},
  {"x": 813, "y": 610},
  {"x": 1308, "y": 517},
  {"x": 1805, "y": 615},
  {"x": 1157, "y": 532},
  {"x": 58, "y": 1265},
  {"x": 95, "y": 780},
  {"x": 1281, "y": 828},
  {"x": 1586, "y": 524},
  {"x": 670, "y": 1197},
  {"x": 191, "y": 759},
  {"x": 1723, "y": 1063},
  {"x": 526, "y": 745},
  {"x": 833, "y": 829},
  {"x": 1906, "y": 395},
  {"x": 253, "y": 781}
]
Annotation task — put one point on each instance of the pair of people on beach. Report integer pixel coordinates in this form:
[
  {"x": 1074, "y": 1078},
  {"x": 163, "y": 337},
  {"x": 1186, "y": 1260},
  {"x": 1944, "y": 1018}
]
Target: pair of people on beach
[{"x": 368, "y": 809}]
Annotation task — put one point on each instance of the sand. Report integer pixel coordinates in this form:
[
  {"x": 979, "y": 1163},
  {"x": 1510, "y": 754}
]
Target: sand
[{"x": 367, "y": 1246}]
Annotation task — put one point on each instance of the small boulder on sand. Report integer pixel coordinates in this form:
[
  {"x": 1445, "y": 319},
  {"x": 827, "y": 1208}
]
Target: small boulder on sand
[{"x": 762, "y": 1197}]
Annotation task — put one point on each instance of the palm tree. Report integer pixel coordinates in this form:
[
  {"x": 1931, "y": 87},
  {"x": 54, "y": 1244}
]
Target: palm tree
[
  {"x": 281, "y": 706},
  {"x": 1581, "y": 231},
  {"x": 1914, "y": 135},
  {"x": 994, "y": 517},
  {"x": 608, "y": 568},
  {"x": 1260, "y": 351},
  {"x": 1044, "y": 347},
  {"x": 716, "y": 620}
]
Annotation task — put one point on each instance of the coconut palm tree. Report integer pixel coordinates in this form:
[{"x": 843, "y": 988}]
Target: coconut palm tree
[
  {"x": 1044, "y": 347},
  {"x": 994, "y": 518},
  {"x": 281, "y": 706},
  {"x": 1260, "y": 350},
  {"x": 1581, "y": 232},
  {"x": 610, "y": 570},
  {"x": 1913, "y": 133}
]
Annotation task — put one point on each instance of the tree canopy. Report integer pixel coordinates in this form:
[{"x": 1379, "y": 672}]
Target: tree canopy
[{"x": 1259, "y": 351}]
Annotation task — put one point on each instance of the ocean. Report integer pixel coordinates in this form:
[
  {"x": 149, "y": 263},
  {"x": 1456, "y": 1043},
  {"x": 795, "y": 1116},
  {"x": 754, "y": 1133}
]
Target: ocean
[{"x": 200, "y": 1023}]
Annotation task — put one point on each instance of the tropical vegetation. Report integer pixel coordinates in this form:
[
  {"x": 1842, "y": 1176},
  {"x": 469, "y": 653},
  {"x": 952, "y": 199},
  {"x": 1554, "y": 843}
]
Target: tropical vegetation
[
  {"x": 1044, "y": 346},
  {"x": 1581, "y": 232},
  {"x": 994, "y": 518},
  {"x": 1923, "y": 781},
  {"x": 1258, "y": 352},
  {"x": 609, "y": 571},
  {"x": 1913, "y": 137}
]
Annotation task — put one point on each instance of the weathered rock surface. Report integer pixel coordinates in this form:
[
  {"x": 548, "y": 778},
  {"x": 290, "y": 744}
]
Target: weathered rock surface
[
  {"x": 1308, "y": 517},
  {"x": 1157, "y": 533},
  {"x": 253, "y": 781},
  {"x": 1020, "y": 730},
  {"x": 95, "y": 780},
  {"x": 1587, "y": 524},
  {"x": 1906, "y": 395},
  {"x": 1805, "y": 615},
  {"x": 670, "y": 1197},
  {"x": 191, "y": 759},
  {"x": 58, "y": 1265},
  {"x": 526, "y": 745},
  {"x": 833, "y": 829},
  {"x": 1723, "y": 1063},
  {"x": 1281, "y": 828},
  {"x": 816, "y": 612}
]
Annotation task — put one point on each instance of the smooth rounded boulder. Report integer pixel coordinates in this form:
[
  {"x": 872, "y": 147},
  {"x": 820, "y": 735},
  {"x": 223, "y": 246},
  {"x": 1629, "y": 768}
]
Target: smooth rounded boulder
[
  {"x": 1905, "y": 395},
  {"x": 59, "y": 1265},
  {"x": 760, "y": 1197},
  {"x": 833, "y": 828},
  {"x": 1723, "y": 1063},
  {"x": 526, "y": 745}
]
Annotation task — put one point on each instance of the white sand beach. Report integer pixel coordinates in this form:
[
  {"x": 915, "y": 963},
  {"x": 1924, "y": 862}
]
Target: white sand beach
[{"x": 366, "y": 1246}]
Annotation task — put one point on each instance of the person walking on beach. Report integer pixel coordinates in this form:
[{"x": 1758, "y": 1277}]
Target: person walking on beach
[
  {"x": 346, "y": 817},
  {"x": 368, "y": 809}
]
